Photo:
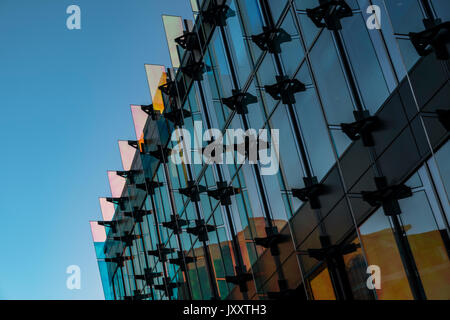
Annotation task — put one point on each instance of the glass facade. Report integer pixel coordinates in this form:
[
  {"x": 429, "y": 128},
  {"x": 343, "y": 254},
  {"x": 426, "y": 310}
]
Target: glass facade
[{"x": 362, "y": 116}]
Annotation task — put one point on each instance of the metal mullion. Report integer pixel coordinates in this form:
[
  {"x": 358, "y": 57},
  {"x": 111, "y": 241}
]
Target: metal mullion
[{"x": 158, "y": 232}]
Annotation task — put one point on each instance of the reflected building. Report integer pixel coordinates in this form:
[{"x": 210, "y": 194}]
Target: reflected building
[{"x": 364, "y": 179}]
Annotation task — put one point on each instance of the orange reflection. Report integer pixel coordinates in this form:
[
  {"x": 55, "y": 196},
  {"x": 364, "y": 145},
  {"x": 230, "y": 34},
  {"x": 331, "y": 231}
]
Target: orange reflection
[{"x": 321, "y": 286}]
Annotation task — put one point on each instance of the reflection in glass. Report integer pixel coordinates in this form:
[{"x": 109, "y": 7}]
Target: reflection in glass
[
  {"x": 321, "y": 286},
  {"x": 381, "y": 250}
]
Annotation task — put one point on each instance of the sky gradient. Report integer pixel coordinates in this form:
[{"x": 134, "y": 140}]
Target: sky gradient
[{"x": 65, "y": 100}]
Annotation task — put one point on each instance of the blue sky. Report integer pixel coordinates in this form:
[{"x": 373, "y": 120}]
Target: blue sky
[{"x": 64, "y": 104}]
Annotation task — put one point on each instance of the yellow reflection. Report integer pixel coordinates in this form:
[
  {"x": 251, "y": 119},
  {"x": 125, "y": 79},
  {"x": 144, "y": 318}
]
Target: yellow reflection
[
  {"x": 322, "y": 287},
  {"x": 156, "y": 76}
]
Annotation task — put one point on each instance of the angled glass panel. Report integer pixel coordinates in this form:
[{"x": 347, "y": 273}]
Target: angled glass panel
[
  {"x": 116, "y": 184},
  {"x": 139, "y": 121},
  {"x": 127, "y": 154},
  {"x": 107, "y": 209},
  {"x": 98, "y": 232},
  {"x": 194, "y": 5},
  {"x": 173, "y": 27},
  {"x": 156, "y": 77}
]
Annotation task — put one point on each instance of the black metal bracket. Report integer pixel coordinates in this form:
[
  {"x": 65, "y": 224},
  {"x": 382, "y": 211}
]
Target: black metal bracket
[
  {"x": 284, "y": 292},
  {"x": 223, "y": 193},
  {"x": 311, "y": 192},
  {"x": 285, "y": 89},
  {"x": 217, "y": 14},
  {"x": 271, "y": 39},
  {"x": 239, "y": 101},
  {"x": 251, "y": 143},
  {"x": 154, "y": 114},
  {"x": 137, "y": 214},
  {"x": 330, "y": 251},
  {"x": 175, "y": 224},
  {"x": 161, "y": 252},
  {"x": 387, "y": 196},
  {"x": 134, "y": 144},
  {"x": 241, "y": 278},
  {"x": 118, "y": 201},
  {"x": 188, "y": 41},
  {"x": 193, "y": 191},
  {"x": 138, "y": 296},
  {"x": 111, "y": 224},
  {"x": 127, "y": 239},
  {"x": 119, "y": 260},
  {"x": 128, "y": 175},
  {"x": 182, "y": 260},
  {"x": 161, "y": 153},
  {"x": 149, "y": 276},
  {"x": 177, "y": 116},
  {"x": 201, "y": 230},
  {"x": 362, "y": 127},
  {"x": 272, "y": 239},
  {"x": 166, "y": 285},
  {"x": 329, "y": 14},
  {"x": 149, "y": 186},
  {"x": 444, "y": 118},
  {"x": 194, "y": 70},
  {"x": 169, "y": 89},
  {"x": 435, "y": 38}
]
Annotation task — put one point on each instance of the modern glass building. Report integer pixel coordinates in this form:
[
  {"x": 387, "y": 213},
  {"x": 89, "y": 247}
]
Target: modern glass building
[{"x": 360, "y": 93}]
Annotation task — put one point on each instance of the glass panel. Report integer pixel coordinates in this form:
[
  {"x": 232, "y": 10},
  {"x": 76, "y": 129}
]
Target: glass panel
[
  {"x": 442, "y": 9},
  {"x": 443, "y": 161},
  {"x": 427, "y": 246},
  {"x": 321, "y": 286},
  {"x": 309, "y": 30},
  {"x": 356, "y": 267},
  {"x": 156, "y": 77},
  {"x": 242, "y": 60},
  {"x": 174, "y": 28},
  {"x": 381, "y": 249},
  {"x": 139, "y": 121},
  {"x": 98, "y": 232},
  {"x": 116, "y": 184},
  {"x": 291, "y": 51},
  {"x": 290, "y": 164},
  {"x": 365, "y": 64},
  {"x": 314, "y": 131},
  {"x": 127, "y": 153},
  {"x": 107, "y": 209},
  {"x": 194, "y": 5},
  {"x": 406, "y": 15},
  {"x": 277, "y": 7},
  {"x": 335, "y": 94}
]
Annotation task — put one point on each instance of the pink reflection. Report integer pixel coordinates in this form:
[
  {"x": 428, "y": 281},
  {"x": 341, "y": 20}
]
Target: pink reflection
[
  {"x": 98, "y": 232},
  {"x": 139, "y": 119},
  {"x": 116, "y": 184},
  {"x": 108, "y": 209},
  {"x": 127, "y": 154}
]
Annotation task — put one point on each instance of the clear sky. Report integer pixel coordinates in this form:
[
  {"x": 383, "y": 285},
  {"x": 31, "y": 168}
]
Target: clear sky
[{"x": 64, "y": 104}]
